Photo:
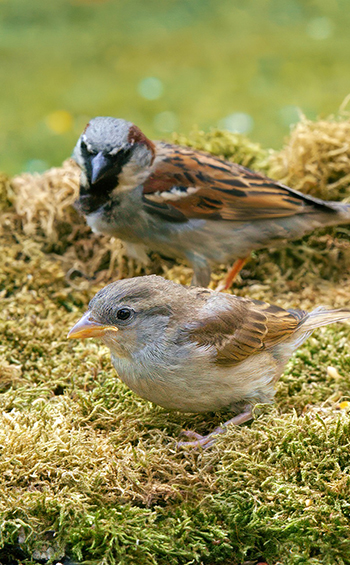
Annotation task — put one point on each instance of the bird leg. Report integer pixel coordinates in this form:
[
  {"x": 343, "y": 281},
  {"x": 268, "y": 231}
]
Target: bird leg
[
  {"x": 201, "y": 269},
  {"x": 209, "y": 440},
  {"x": 233, "y": 272}
]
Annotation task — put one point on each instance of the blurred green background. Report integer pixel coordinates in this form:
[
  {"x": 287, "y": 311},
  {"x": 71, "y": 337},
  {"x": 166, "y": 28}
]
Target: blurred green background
[{"x": 245, "y": 65}]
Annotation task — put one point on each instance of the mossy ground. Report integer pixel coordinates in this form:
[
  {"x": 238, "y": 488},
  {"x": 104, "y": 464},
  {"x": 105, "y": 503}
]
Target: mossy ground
[{"x": 89, "y": 470}]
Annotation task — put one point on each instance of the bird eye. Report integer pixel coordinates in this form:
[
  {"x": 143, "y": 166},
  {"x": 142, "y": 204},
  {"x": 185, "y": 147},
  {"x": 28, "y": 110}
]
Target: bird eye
[
  {"x": 123, "y": 314},
  {"x": 87, "y": 150}
]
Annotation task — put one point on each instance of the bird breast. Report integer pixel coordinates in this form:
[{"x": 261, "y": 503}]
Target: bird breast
[{"x": 196, "y": 384}]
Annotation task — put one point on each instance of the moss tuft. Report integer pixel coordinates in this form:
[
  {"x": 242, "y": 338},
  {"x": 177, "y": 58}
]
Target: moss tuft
[
  {"x": 316, "y": 159},
  {"x": 226, "y": 145}
]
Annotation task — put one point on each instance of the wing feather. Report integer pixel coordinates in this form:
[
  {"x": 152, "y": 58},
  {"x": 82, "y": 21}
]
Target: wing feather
[
  {"x": 189, "y": 184},
  {"x": 244, "y": 328}
]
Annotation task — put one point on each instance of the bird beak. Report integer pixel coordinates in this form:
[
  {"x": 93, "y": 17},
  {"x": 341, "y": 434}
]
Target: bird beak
[
  {"x": 99, "y": 166},
  {"x": 87, "y": 327}
]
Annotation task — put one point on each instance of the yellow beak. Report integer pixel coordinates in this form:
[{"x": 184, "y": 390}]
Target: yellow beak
[{"x": 87, "y": 327}]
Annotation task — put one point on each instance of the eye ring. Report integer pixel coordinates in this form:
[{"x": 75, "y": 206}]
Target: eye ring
[{"x": 124, "y": 314}]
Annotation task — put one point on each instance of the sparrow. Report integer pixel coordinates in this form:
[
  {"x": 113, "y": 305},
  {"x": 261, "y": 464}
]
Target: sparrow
[
  {"x": 193, "y": 349},
  {"x": 186, "y": 204}
]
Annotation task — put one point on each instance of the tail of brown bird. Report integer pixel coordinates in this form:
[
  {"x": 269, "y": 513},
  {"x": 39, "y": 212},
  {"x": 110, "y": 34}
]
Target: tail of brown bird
[
  {"x": 343, "y": 213},
  {"x": 315, "y": 319},
  {"x": 322, "y": 317}
]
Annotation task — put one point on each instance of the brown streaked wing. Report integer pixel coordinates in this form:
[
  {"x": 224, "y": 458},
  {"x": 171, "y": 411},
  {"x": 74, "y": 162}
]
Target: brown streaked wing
[
  {"x": 249, "y": 327},
  {"x": 190, "y": 184}
]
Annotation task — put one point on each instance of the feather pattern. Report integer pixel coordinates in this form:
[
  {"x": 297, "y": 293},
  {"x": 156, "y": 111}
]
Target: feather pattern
[
  {"x": 244, "y": 328},
  {"x": 197, "y": 185}
]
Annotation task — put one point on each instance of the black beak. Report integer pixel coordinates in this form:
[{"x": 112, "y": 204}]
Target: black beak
[{"x": 100, "y": 164}]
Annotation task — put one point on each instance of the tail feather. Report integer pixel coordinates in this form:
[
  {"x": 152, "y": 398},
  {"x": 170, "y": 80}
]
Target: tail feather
[
  {"x": 343, "y": 211},
  {"x": 322, "y": 317}
]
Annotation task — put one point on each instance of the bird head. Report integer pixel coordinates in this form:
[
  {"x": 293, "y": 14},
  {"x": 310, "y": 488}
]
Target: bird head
[
  {"x": 132, "y": 314},
  {"x": 107, "y": 149}
]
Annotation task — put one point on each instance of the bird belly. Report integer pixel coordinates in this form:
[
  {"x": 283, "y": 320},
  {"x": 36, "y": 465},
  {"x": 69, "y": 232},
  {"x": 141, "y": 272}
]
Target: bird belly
[
  {"x": 201, "y": 386},
  {"x": 125, "y": 218},
  {"x": 217, "y": 241}
]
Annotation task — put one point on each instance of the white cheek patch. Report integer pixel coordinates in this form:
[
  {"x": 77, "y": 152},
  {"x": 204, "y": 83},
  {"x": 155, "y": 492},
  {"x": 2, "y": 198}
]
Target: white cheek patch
[
  {"x": 92, "y": 221},
  {"x": 133, "y": 173},
  {"x": 173, "y": 194}
]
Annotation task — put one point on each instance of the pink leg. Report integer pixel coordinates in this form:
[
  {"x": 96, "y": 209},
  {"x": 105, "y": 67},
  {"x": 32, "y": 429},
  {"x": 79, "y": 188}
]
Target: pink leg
[{"x": 209, "y": 440}]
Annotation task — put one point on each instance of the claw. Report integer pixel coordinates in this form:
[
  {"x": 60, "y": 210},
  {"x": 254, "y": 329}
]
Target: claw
[
  {"x": 200, "y": 441},
  {"x": 207, "y": 441}
]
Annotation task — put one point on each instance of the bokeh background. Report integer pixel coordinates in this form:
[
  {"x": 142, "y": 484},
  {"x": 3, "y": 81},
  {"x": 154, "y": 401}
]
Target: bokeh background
[{"x": 244, "y": 65}]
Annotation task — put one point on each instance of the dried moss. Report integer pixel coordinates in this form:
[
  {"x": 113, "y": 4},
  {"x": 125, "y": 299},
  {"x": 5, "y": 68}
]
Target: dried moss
[
  {"x": 89, "y": 470},
  {"x": 316, "y": 159}
]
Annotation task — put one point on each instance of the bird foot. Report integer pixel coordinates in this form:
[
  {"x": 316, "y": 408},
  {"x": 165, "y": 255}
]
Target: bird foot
[
  {"x": 207, "y": 441},
  {"x": 200, "y": 441}
]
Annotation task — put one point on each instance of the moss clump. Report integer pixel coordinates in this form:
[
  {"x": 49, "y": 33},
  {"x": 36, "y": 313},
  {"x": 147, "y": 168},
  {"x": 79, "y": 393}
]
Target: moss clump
[
  {"x": 6, "y": 194},
  {"x": 316, "y": 159},
  {"x": 89, "y": 470},
  {"x": 231, "y": 146}
]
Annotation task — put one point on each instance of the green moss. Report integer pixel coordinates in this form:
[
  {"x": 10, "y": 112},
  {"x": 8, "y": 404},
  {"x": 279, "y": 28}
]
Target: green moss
[
  {"x": 232, "y": 146},
  {"x": 6, "y": 194},
  {"x": 90, "y": 470},
  {"x": 84, "y": 458}
]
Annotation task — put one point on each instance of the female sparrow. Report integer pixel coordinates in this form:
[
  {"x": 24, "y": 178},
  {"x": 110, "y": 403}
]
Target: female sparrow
[
  {"x": 186, "y": 204},
  {"x": 197, "y": 350}
]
